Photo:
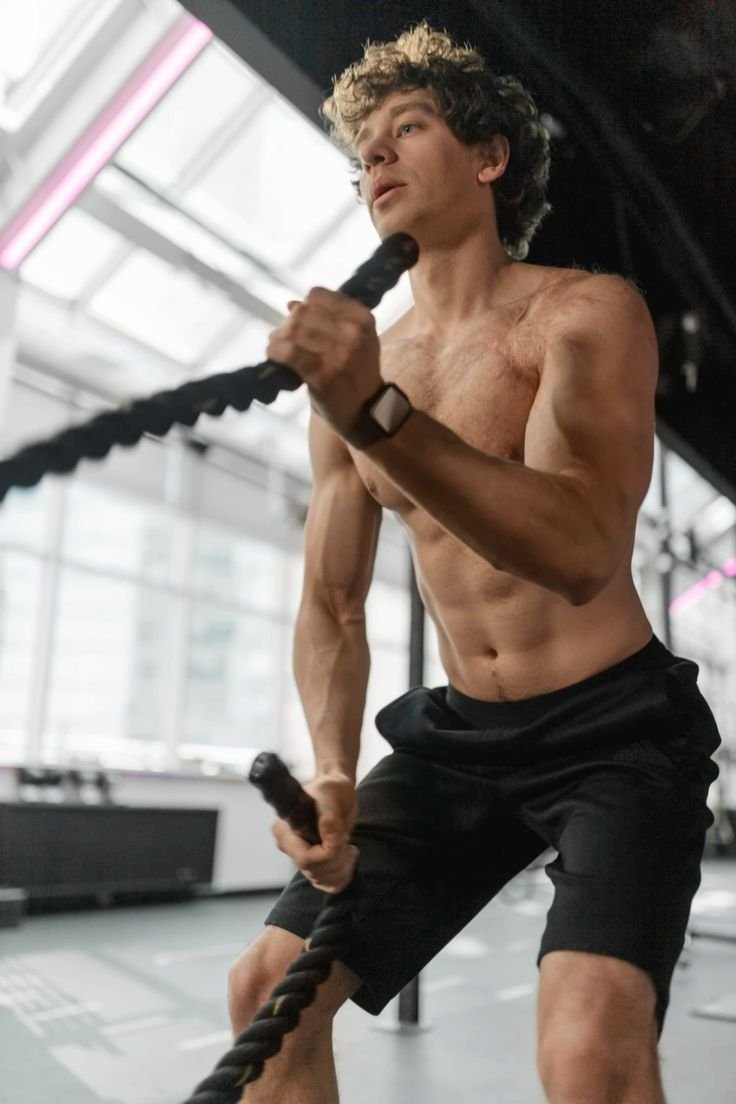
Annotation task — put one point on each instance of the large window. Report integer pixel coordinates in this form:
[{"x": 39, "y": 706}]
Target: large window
[
  {"x": 236, "y": 570},
  {"x": 20, "y": 589},
  {"x": 136, "y": 634},
  {"x": 110, "y": 663},
  {"x": 232, "y": 670},
  {"x": 30, "y": 29},
  {"x": 695, "y": 579},
  {"x": 117, "y": 533},
  {"x": 24, "y": 519},
  {"x": 151, "y": 636}
]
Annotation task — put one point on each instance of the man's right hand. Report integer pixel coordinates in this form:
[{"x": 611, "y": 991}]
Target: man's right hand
[{"x": 330, "y": 864}]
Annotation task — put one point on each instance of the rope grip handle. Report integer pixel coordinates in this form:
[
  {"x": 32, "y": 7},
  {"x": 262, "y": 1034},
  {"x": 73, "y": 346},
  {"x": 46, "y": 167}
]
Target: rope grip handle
[{"x": 280, "y": 789}]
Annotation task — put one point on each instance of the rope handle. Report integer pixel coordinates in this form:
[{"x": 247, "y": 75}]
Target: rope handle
[{"x": 280, "y": 789}]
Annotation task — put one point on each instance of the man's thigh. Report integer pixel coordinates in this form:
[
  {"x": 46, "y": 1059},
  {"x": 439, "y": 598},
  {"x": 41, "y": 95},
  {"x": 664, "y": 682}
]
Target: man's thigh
[
  {"x": 435, "y": 846},
  {"x": 630, "y": 838}
]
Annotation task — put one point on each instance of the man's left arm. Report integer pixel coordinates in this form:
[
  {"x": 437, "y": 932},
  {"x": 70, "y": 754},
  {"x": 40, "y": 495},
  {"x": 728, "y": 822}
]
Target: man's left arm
[{"x": 561, "y": 519}]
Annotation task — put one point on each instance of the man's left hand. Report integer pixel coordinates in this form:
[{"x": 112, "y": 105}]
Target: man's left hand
[{"x": 330, "y": 341}]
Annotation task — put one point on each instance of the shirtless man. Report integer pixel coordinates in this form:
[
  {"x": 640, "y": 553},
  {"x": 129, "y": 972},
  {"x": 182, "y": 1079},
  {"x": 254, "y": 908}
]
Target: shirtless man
[{"x": 517, "y": 461}]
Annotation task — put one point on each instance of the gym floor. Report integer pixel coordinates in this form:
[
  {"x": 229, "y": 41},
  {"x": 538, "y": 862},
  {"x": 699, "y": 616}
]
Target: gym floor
[{"x": 127, "y": 1006}]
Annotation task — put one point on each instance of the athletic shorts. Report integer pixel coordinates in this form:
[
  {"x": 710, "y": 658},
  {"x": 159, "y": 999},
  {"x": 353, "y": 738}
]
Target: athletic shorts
[{"x": 612, "y": 773}]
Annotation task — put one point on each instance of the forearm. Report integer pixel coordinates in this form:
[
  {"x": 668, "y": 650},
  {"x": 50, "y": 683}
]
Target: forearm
[
  {"x": 331, "y": 668},
  {"x": 525, "y": 522}
]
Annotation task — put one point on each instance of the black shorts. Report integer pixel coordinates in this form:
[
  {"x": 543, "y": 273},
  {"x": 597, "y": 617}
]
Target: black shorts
[{"x": 612, "y": 772}]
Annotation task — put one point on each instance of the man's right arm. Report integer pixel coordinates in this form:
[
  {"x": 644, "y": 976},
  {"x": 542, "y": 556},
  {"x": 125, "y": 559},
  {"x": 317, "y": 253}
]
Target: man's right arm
[{"x": 331, "y": 656}]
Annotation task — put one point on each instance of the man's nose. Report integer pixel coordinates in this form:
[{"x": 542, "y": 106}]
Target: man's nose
[{"x": 379, "y": 150}]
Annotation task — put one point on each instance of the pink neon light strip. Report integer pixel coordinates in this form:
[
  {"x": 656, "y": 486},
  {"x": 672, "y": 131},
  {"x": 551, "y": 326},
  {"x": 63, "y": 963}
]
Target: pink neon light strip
[
  {"x": 709, "y": 582},
  {"x": 104, "y": 137}
]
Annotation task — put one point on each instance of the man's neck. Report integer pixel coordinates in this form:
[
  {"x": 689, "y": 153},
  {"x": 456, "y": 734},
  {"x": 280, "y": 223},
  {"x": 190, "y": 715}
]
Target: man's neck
[{"x": 453, "y": 287}]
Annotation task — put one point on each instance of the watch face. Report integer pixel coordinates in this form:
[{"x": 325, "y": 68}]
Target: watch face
[{"x": 389, "y": 409}]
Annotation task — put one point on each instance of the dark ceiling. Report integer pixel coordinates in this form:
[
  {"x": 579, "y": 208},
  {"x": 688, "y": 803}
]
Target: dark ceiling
[{"x": 644, "y": 155}]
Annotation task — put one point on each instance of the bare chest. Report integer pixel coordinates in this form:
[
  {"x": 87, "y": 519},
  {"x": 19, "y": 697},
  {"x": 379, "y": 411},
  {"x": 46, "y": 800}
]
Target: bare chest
[{"x": 482, "y": 390}]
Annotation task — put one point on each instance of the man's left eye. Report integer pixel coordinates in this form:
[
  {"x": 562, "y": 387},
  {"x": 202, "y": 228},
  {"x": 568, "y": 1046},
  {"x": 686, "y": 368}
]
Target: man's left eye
[{"x": 405, "y": 125}]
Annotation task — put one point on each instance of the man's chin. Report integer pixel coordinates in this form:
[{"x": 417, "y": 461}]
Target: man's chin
[
  {"x": 386, "y": 231},
  {"x": 390, "y": 223}
]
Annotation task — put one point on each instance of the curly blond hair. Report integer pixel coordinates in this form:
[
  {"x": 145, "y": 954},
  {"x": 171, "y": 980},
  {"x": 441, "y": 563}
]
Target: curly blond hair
[{"x": 474, "y": 102}]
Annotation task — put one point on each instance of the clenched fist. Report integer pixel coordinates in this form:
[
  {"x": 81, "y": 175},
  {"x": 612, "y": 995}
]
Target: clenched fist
[
  {"x": 329, "y": 865},
  {"x": 329, "y": 340}
]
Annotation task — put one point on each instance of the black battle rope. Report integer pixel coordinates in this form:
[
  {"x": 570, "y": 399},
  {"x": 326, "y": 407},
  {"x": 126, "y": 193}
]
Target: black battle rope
[
  {"x": 213, "y": 395},
  {"x": 280, "y": 1014}
]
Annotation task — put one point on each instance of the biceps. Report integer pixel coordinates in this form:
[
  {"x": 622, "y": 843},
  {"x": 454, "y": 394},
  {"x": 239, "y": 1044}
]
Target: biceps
[
  {"x": 601, "y": 434},
  {"x": 611, "y": 457}
]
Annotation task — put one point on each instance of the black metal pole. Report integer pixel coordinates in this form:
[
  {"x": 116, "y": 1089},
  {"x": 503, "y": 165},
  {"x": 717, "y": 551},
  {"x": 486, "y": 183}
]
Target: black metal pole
[
  {"x": 416, "y": 632},
  {"x": 665, "y": 558},
  {"x": 410, "y": 994}
]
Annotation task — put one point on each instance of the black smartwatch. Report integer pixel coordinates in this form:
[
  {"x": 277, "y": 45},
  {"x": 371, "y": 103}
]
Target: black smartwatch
[{"x": 380, "y": 416}]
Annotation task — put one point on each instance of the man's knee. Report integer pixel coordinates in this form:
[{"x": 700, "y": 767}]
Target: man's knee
[
  {"x": 597, "y": 1026},
  {"x": 256, "y": 971},
  {"x": 263, "y": 964}
]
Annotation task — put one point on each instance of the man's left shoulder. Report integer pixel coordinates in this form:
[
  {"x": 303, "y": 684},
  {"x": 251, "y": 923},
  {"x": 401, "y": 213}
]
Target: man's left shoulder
[
  {"x": 599, "y": 301},
  {"x": 604, "y": 287}
]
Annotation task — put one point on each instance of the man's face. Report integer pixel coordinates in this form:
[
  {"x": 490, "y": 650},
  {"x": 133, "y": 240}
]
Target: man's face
[{"x": 406, "y": 142}]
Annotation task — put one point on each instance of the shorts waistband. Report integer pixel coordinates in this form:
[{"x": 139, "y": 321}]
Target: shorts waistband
[{"x": 654, "y": 655}]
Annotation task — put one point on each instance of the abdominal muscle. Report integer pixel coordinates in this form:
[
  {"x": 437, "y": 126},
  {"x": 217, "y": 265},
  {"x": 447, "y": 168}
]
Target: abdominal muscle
[{"x": 501, "y": 638}]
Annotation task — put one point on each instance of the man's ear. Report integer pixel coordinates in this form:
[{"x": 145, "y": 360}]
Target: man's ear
[{"x": 495, "y": 159}]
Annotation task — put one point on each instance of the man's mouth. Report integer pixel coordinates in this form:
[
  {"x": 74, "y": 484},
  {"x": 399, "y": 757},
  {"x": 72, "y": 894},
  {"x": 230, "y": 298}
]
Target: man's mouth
[{"x": 384, "y": 195}]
